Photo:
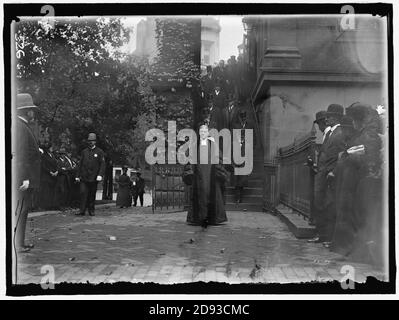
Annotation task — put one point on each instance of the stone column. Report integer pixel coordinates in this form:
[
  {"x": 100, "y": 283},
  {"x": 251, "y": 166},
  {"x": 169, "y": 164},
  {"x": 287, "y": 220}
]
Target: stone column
[{"x": 281, "y": 51}]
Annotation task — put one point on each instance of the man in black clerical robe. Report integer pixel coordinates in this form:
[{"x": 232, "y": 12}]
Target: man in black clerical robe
[{"x": 207, "y": 181}]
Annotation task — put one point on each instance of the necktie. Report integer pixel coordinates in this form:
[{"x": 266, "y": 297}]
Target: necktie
[{"x": 327, "y": 136}]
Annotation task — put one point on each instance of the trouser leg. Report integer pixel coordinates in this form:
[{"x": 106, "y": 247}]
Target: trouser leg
[
  {"x": 331, "y": 210},
  {"x": 92, "y": 195},
  {"x": 110, "y": 185},
  {"x": 105, "y": 187},
  {"x": 320, "y": 214},
  {"x": 141, "y": 199},
  {"x": 22, "y": 209},
  {"x": 84, "y": 192}
]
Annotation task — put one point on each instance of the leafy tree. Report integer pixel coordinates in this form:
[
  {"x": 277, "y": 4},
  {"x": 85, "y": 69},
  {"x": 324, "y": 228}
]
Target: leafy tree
[
  {"x": 83, "y": 83},
  {"x": 178, "y": 41},
  {"x": 177, "y": 65},
  {"x": 79, "y": 79}
]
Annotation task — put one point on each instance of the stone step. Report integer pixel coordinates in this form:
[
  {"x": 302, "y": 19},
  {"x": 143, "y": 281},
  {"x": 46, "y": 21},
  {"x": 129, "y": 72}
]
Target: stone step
[
  {"x": 258, "y": 199},
  {"x": 243, "y": 207},
  {"x": 246, "y": 191},
  {"x": 296, "y": 223}
]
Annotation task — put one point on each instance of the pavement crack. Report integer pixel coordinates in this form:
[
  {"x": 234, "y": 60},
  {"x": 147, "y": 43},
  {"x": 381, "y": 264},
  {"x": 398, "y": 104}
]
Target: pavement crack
[{"x": 256, "y": 270}]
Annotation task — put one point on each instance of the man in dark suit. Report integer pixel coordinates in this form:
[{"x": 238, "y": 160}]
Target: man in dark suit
[
  {"x": 48, "y": 177},
  {"x": 324, "y": 185},
  {"x": 138, "y": 187},
  {"x": 26, "y": 170},
  {"x": 62, "y": 186},
  {"x": 208, "y": 82},
  {"x": 90, "y": 172}
]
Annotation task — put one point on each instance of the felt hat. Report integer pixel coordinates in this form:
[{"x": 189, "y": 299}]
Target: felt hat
[
  {"x": 335, "y": 110},
  {"x": 321, "y": 115},
  {"x": 25, "y": 101},
  {"x": 358, "y": 111}
]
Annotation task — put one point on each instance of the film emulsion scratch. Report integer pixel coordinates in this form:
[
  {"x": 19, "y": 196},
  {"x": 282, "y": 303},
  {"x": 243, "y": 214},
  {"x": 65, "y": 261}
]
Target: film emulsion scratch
[{"x": 174, "y": 149}]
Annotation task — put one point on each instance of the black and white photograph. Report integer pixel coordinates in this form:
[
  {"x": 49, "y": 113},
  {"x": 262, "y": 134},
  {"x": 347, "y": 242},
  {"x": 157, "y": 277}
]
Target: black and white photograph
[{"x": 217, "y": 149}]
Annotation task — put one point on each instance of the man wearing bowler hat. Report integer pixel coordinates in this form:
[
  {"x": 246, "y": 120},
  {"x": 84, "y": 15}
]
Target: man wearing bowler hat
[
  {"x": 324, "y": 199},
  {"x": 90, "y": 172},
  {"x": 25, "y": 167},
  {"x": 321, "y": 121}
]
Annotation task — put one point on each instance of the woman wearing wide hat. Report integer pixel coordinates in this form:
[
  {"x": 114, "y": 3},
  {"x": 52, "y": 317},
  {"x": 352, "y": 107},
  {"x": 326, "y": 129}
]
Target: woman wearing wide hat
[{"x": 358, "y": 230}]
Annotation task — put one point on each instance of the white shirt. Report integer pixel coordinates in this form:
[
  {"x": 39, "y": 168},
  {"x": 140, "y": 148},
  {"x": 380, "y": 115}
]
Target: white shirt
[
  {"x": 23, "y": 119},
  {"x": 335, "y": 127},
  {"x": 69, "y": 160},
  {"x": 326, "y": 130}
]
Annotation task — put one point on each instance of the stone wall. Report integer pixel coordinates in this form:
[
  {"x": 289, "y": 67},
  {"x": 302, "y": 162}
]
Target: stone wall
[{"x": 289, "y": 111}]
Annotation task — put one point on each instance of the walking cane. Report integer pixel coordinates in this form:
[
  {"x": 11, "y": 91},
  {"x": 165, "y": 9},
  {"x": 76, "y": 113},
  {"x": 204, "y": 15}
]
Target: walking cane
[{"x": 15, "y": 233}]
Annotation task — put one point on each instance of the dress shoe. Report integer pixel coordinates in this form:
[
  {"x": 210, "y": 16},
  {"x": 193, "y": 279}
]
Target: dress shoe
[
  {"x": 23, "y": 250},
  {"x": 29, "y": 245},
  {"x": 205, "y": 224},
  {"x": 91, "y": 214},
  {"x": 315, "y": 240},
  {"x": 327, "y": 244},
  {"x": 79, "y": 214}
]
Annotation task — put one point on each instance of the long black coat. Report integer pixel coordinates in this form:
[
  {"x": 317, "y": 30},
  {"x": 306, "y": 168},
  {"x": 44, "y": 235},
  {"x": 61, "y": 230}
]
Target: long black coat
[
  {"x": 26, "y": 157},
  {"x": 219, "y": 114},
  {"x": 330, "y": 149},
  {"x": 124, "y": 196},
  {"x": 91, "y": 165},
  {"x": 47, "y": 181},
  {"x": 207, "y": 193},
  {"x": 48, "y": 164},
  {"x": 359, "y": 198}
]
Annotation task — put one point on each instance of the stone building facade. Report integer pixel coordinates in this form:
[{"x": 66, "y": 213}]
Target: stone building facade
[{"x": 303, "y": 64}]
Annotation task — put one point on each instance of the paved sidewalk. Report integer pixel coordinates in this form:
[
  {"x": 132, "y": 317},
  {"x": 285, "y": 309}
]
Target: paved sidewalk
[{"x": 135, "y": 245}]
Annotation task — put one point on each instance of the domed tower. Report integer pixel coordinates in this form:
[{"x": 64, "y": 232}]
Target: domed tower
[{"x": 210, "y": 29}]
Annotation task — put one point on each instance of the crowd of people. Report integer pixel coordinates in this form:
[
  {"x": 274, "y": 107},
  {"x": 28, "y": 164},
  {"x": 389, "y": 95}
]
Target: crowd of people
[
  {"x": 48, "y": 177},
  {"x": 223, "y": 91},
  {"x": 58, "y": 188},
  {"x": 348, "y": 184},
  {"x": 348, "y": 188}
]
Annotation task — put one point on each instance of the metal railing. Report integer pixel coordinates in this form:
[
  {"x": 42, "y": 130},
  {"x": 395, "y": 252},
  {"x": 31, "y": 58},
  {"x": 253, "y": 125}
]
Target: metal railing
[
  {"x": 168, "y": 189},
  {"x": 296, "y": 177},
  {"x": 270, "y": 185}
]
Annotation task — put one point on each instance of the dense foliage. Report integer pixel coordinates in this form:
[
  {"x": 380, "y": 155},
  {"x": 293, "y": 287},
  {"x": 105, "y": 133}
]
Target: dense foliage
[{"x": 83, "y": 83}]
